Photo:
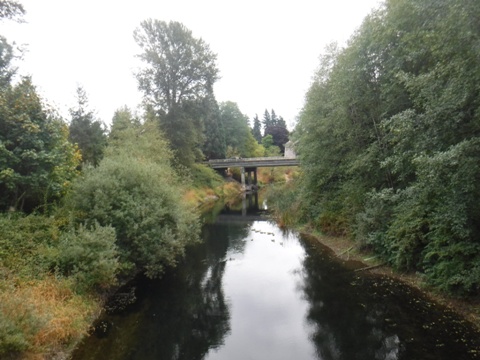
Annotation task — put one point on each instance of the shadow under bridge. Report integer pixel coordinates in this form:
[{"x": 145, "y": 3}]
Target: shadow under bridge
[{"x": 249, "y": 166}]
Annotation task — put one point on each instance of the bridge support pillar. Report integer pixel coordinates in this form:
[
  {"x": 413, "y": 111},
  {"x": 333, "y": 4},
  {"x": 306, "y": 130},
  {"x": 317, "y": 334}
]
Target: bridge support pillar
[
  {"x": 243, "y": 177},
  {"x": 251, "y": 176}
]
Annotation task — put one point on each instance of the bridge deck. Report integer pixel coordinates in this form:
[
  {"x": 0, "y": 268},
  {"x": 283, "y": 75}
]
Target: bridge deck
[{"x": 252, "y": 162}]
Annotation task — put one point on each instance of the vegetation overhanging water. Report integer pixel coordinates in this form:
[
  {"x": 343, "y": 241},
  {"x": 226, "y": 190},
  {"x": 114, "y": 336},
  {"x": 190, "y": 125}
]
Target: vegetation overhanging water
[{"x": 251, "y": 290}]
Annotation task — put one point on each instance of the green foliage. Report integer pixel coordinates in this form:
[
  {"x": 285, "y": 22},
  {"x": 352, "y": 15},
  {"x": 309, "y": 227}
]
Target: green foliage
[
  {"x": 214, "y": 146},
  {"x": 89, "y": 134},
  {"x": 33, "y": 246},
  {"x": 17, "y": 328},
  {"x": 204, "y": 176},
  {"x": 37, "y": 162},
  {"x": 257, "y": 129},
  {"x": 275, "y": 127},
  {"x": 178, "y": 77},
  {"x": 270, "y": 148},
  {"x": 89, "y": 256},
  {"x": 25, "y": 243},
  {"x": 6, "y": 56},
  {"x": 122, "y": 120},
  {"x": 237, "y": 131},
  {"x": 135, "y": 190},
  {"x": 388, "y": 139},
  {"x": 284, "y": 200}
]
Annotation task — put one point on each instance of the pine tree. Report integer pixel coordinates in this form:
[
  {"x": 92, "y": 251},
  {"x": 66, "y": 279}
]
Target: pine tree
[
  {"x": 87, "y": 132},
  {"x": 257, "y": 129}
]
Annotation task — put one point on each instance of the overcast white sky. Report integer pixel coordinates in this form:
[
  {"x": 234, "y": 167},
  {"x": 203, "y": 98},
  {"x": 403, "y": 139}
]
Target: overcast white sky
[{"x": 267, "y": 50}]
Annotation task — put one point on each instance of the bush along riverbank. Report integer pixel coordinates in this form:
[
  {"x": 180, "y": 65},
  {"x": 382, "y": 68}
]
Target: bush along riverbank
[
  {"x": 286, "y": 208},
  {"x": 128, "y": 215}
]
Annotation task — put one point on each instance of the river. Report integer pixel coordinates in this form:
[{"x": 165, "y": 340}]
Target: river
[{"x": 253, "y": 291}]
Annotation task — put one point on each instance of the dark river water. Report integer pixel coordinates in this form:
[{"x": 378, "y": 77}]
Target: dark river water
[{"x": 253, "y": 291}]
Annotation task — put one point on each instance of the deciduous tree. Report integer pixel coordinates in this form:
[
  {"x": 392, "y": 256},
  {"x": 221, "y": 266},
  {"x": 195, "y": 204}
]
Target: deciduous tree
[
  {"x": 389, "y": 135},
  {"x": 179, "y": 73},
  {"x": 11, "y": 10},
  {"x": 37, "y": 162}
]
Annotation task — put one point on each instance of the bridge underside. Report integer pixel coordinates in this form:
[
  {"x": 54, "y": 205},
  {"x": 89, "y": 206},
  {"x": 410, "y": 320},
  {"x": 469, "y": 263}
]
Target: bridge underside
[{"x": 249, "y": 166}]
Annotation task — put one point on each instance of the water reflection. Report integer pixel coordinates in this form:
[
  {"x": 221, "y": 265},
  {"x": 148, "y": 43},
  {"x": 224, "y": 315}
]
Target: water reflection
[
  {"x": 182, "y": 316},
  {"x": 345, "y": 326},
  {"x": 253, "y": 291},
  {"x": 362, "y": 316}
]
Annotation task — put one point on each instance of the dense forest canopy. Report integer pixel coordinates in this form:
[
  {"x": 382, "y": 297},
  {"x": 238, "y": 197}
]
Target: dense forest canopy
[{"x": 390, "y": 139}]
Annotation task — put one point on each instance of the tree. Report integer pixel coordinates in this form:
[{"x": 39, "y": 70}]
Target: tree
[
  {"x": 135, "y": 190},
  {"x": 122, "y": 120},
  {"x": 389, "y": 139},
  {"x": 180, "y": 72},
  {"x": 37, "y": 162},
  {"x": 11, "y": 10},
  {"x": 277, "y": 128},
  {"x": 238, "y": 136},
  {"x": 6, "y": 56},
  {"x": 87, "y": 132},
  {"x": 215, "y": 146},
  {"x": 257, "y": 129},
  {"x": 267, "y": 120}
]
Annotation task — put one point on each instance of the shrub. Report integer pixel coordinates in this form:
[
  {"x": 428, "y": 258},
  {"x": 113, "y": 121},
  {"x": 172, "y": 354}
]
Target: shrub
[
  {"x": 24, "y": 243},
  {"x": 18, "y": 326},
  {"x": 89, "y": 256},
  {"x": 136, "y": 191},
  {"x": 284, "y": 200},
  {"x": 204, "y": 176}
]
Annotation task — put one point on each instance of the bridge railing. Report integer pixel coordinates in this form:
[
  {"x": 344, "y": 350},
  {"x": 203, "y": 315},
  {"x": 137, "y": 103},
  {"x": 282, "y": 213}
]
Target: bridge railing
[
  {"x": 252, "y": 162},
  {"x": 248, "y": 159}
]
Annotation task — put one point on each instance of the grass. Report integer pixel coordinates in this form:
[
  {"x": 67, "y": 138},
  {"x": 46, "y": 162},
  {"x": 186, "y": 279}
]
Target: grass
[
  {"x": 42, "y": 317},
  {"x": 201, "y": 195},
  {"x": 40, "y": 314}
]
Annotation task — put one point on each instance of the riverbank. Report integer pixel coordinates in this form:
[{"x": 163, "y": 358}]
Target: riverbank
[
  {"x": 346, "y": 250},
  {"x": 45, "y": 313}
]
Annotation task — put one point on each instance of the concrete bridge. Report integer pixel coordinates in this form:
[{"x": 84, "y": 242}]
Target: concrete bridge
[
  {"x": 250, "y": 165},
  {"x": 252, "y": 162}
]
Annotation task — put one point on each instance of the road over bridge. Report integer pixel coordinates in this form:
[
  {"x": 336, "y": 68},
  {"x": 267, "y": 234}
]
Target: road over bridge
[
  {"x": 252, "y": 162},
  {"x": 250, "y": 165}
]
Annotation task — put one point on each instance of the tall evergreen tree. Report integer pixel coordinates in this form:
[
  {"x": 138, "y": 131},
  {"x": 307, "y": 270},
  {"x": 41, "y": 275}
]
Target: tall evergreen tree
[
  {"x": 257, "y": 129},
  {"x": 122, "y": 120},
  {"x": 273, "y": 118},
  {"x": 87, "y": 132},
  {"x": 277, "y": 128},
  {"x": 267, "y": 120}
]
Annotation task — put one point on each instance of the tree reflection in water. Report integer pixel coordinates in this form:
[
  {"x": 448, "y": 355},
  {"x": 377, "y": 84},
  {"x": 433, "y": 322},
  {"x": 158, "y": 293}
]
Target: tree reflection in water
[
  {"x": 362, "y": 316},
  {"x": 187, "y": 323}
]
